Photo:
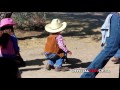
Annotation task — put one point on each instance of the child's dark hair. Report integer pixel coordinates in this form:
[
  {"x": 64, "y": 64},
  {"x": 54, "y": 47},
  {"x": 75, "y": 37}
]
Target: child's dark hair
[
  {"x": 55, "y": 33},
  {"x": 5, "y": 36},
  {"x": 7, "y": 27},
  {"x": 4, "y": 40}
]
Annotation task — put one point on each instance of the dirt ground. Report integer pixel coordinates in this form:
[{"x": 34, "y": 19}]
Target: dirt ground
[{"x": 84, "y": 49}]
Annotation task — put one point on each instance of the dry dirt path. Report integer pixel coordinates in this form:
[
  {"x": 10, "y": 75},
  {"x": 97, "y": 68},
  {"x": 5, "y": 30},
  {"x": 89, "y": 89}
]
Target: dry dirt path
[{"x": 83, "y": 50}]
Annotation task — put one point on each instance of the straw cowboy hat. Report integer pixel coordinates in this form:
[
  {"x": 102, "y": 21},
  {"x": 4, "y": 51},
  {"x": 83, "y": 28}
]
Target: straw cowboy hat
[
  {"x": 7, "y": 22},
  {"x": 55, "y": 26}
]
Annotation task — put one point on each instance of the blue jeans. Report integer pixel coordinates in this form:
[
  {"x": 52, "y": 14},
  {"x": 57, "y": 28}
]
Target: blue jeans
[
  {"x": 55, "y": 63},
  {"x": 112, "y": 46},
  {"x": 58, "y": 63},
  {"x": 117, "y": 55}
]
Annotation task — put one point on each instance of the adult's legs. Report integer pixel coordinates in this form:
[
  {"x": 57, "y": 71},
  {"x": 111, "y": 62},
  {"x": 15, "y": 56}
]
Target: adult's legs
[
  {"x": 113, "y": 43},
  {"x": 116, "y": 58}
]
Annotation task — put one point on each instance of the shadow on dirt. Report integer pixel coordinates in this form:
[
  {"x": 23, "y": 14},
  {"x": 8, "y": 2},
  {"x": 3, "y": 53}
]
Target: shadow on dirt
[
  {"x": 35, "y": 62},
  {"x": 76, "y": 63},
  {"x": 32, "y": 63},
  {"x": 29, "y": 69}
]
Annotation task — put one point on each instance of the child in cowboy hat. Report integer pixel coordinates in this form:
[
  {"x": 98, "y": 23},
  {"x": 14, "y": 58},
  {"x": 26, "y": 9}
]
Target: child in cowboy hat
[
  {"x": 55, "y": 47},
  {"x": 7, "y": 26},
  {"x": 8, "y": 65}
]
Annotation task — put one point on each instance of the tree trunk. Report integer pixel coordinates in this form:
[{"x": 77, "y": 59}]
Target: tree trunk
[{"x": 5, "y": 15}]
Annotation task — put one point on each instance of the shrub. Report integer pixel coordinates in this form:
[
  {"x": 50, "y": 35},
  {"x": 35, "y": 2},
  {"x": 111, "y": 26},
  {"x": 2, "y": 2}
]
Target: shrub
[{"x": 29, "y": 20}]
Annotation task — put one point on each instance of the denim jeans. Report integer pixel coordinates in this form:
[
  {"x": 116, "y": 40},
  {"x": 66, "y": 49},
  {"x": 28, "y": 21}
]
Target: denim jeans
[
  {"x": 117, "y": 55},
  {"x": 55, "y": 63},
  {"x": 112, "y": 46}
]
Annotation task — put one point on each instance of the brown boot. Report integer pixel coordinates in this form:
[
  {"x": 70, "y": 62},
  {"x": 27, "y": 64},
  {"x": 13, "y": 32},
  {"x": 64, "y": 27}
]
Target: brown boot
[
  {"x": 116, "y": 60},
  {"x": 49, "y": 67},
  {"x": 58, "y": 69}
]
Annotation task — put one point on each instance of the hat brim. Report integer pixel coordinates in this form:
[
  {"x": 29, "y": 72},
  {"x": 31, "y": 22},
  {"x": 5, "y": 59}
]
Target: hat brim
[
  {"x": 7, "y": 25},
  {"x": 48, "y": 29}
]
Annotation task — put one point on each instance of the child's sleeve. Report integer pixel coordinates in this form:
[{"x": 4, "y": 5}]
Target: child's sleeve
[
  {"x": 61, "y": 43},
  {"x": 15, "y": 43}
]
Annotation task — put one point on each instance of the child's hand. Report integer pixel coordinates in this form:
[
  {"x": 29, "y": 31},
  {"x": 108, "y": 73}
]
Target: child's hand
[{"x": 69, "y": 52}]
